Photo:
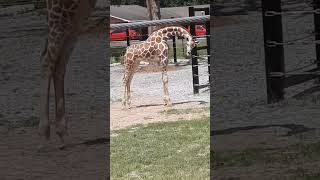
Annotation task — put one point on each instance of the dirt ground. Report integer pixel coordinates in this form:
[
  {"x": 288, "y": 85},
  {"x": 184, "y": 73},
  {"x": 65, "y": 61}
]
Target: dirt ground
[
  {"x": 149, "y": 111},
  {"x": 251, "y": 139},
  {"x": 22, "y": 37}
]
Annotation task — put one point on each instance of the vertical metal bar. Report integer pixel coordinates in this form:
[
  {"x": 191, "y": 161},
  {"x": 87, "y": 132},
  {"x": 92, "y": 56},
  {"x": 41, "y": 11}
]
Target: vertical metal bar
[
  {"x": 274, "y": 56},
  {"x": 207, "y": 12},
  {"x": 195, "y": 74},
  {"x": 316, "y": 17},
  {"x": 128, "y": 37},
  {"x": 174, "y": 49}
]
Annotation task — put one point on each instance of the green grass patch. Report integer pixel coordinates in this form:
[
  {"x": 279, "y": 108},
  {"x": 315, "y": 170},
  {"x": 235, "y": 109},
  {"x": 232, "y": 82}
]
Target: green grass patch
[
  {"x": 171, "y": 150},
  {"x": 184, "y": 111}
]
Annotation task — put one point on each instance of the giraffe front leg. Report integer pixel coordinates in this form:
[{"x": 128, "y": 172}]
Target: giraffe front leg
[
  {"x": 166, "y": 98},
  {"x": 125, "y": 90},
  {"x": 44, "y": 123},
  {"x": 61, "y": 123}
]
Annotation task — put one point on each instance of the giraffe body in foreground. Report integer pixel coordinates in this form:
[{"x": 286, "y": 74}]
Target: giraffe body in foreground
[
  {"x": 65, "y": 20},
  {"x": 153, "y": 50}
]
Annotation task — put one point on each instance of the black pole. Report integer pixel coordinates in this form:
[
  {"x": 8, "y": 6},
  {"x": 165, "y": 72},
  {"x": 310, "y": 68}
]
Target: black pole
[
  {"x": 128, "y": 37},
  {"x": 274, "y": 56},
  {"x": 316, "y": 5},
  {"x": 207, "y": 12},
  {"x": 195, "y": 74},
  {"x": 174, "y": 49}
]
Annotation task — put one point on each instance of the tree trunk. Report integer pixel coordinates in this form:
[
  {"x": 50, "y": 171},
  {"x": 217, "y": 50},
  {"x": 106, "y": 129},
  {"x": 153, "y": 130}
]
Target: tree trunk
[{"x": 153, "y": 11}]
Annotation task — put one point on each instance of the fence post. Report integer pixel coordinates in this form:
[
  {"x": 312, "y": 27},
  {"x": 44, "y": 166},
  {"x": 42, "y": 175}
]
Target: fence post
[
  {"x": 174, "y": 49},
  {"x": 316, "y": 19},
  {"x": 128, "y": 37},
  {"x": 194, "y": 54},
  {"x": 207, "y": 12},
  {"x": 274, "y": 56}
]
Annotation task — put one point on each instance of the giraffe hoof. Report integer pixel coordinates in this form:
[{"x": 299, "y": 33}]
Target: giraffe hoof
[
  {"x": 43, "y": 148},
  {"x": 62, "y": 146}
]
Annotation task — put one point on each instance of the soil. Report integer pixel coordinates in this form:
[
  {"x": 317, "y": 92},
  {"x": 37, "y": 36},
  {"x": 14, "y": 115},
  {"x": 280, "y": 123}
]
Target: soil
[{"x": 151, "y": 111}]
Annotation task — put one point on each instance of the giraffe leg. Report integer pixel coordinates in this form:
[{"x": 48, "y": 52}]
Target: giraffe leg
[
  {"x": 130, "y": 77},
  {"x": 58, "y": 80},
  {"x": 166, "y": 97},
  {"x": 44, "y": 124},
  {"x": 45, "y": 80},
  {"x": 61, "y": 124},
  {"x": 125, "y": 85}
]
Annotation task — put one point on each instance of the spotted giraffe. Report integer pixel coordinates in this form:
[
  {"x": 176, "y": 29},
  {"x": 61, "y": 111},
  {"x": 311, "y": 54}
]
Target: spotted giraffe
[
  {"x": 153, "y": 50},
  {"x": 65, "y": 20}
]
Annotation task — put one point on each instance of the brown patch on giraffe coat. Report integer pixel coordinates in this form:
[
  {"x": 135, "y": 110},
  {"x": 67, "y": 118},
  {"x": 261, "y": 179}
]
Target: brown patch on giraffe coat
[
  {"x": 146, "y": 45},
  {"x": 161, "y": 46},
  {"x": 158, "y": 39},
  {"x": 152, "y": 44},
  {"x": 170, "y": 29},
  {"x": 56, "y": 9},
  {"x": 153, "y": 38},
  {"x": 129, "y": 55},
  {"x": 156, "y": 46},
  {"x": 148, "y": 54},
  {"x": 151, "y": 48},
  {"x": 164, "y": 31}
]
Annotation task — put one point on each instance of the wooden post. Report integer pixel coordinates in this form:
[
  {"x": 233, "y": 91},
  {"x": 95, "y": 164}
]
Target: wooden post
[
  {"x": 316, "y": 5},
  {"x": 194, "y": 53},
  {"x": 128, "y": 37},
  {"x": 274, "y": 56}
]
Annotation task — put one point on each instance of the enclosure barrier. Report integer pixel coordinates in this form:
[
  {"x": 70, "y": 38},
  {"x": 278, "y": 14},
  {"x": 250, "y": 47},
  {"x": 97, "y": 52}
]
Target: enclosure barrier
[
  {"x": 195, "y": 58},
  {"x": 276, "y": 77},
  {"x": 183, "y": 20}
]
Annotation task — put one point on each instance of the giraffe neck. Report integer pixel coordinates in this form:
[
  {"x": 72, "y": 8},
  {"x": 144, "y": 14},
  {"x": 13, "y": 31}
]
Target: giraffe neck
[{"x": 168, "y": 32}]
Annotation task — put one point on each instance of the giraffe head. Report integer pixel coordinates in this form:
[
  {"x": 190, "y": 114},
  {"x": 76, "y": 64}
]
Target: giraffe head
[{"x": 191, "y": 43}]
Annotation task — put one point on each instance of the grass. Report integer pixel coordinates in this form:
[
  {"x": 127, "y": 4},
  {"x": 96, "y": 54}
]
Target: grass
[
  {"x": 117, "y": 52},
  {"x": 174, "y": 150}
]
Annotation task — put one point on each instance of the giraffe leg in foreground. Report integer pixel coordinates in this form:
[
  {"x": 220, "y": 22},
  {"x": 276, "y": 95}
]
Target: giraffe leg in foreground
[
  {"x": 166, "y": 97},
  {"x": 58, "y": 79},
  {"x": 44, "y": 124},
  {"x": 127, "y": 79}
]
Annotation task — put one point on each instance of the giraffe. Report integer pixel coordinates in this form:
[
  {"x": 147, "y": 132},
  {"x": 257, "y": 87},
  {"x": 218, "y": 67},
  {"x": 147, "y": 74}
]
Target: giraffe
[
  {"x": 65, "y": 20},
  {"x": 153, "y": 50}
]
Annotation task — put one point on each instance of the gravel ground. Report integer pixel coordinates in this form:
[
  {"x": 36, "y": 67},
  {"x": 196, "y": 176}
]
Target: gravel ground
[{"x": 150, "y": 84}]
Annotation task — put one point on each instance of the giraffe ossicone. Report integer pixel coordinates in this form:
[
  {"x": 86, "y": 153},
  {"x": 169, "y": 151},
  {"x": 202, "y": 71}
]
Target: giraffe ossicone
[{"x": 154, "y": 49}]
